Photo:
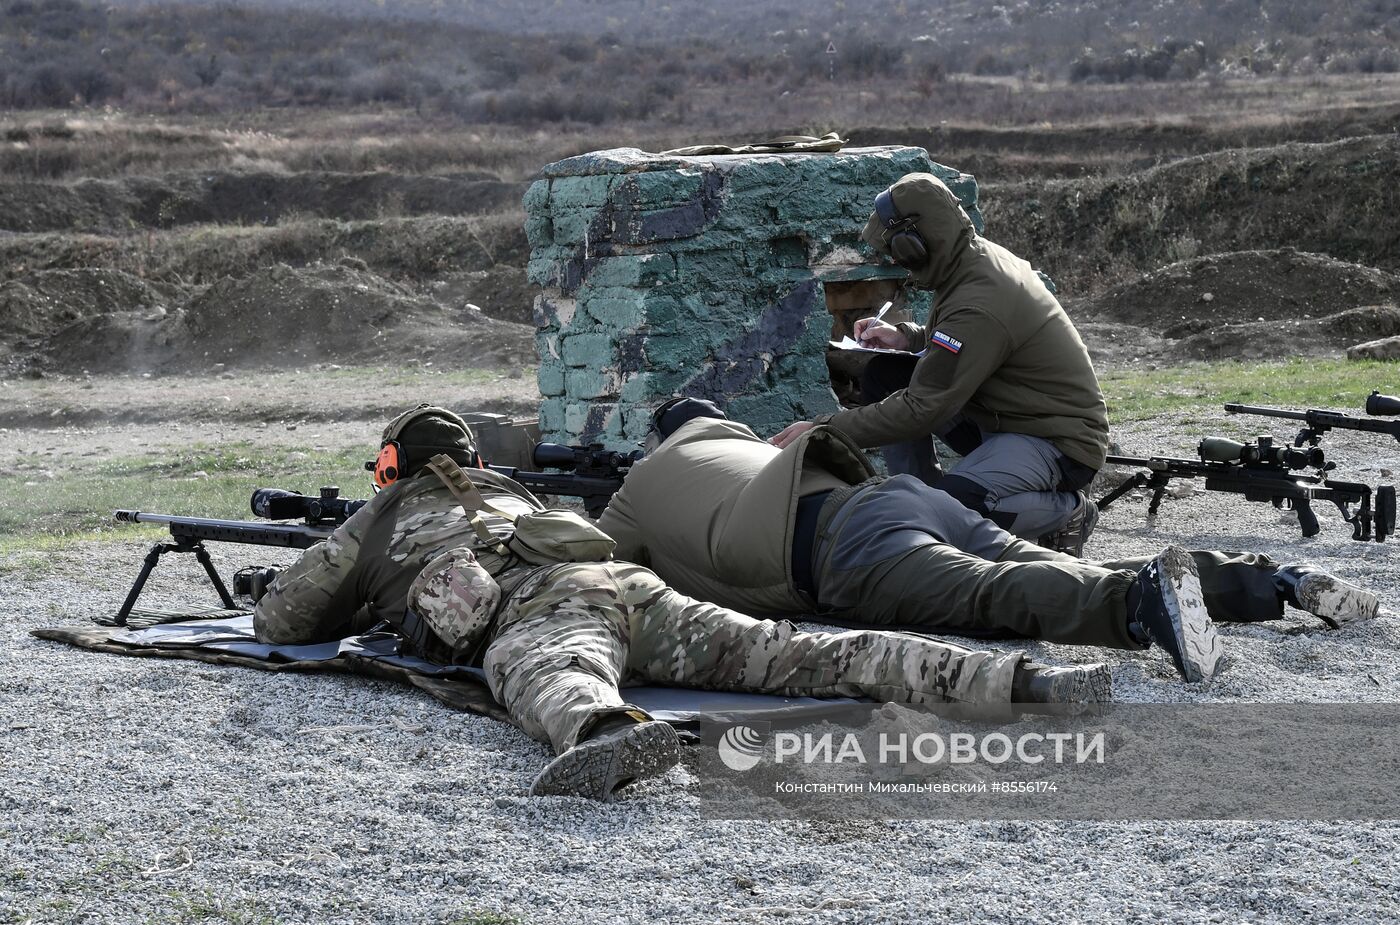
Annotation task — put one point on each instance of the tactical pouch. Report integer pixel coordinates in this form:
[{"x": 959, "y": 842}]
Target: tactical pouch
[
  {"x": 453, "y": 599},
  {"x": 546, "y": 537}
]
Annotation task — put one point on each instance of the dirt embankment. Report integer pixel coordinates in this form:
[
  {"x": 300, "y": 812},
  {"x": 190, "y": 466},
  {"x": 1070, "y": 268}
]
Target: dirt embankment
[
  {"x": 1000, "y": 154},
  {"x": 1248, "y": 305},
  {"x": 342, "y": 288},
  {"x": 1340, "y": 199},
  {"x": 241, "y": 198},
  {"x": 286, "y": 316},
  {"x": 1204, "y": 257}
]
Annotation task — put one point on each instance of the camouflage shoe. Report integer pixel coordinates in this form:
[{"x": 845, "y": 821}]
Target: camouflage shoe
[
  {"x": 1325, "y": 596},
  {"x": 1070, "y": 538},
  {"x": 601, "y": 765},
  {"x": 1074, "y": 684},
  {"x": 1166, "y": 606}
]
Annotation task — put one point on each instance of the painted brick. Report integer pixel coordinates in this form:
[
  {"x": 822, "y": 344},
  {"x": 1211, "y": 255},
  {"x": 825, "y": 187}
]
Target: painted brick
[
  {"x": 551, "y": 379},
  {"x": 595, "y": 350},
  {"x": 600, "y": 382},
  {"x": 633, "y": 270},
  {"x": 636, "y": 423},
  {"x": 699, "y": 276},
  {"x": 659, "y": 189},
  {"x": 552, "y": 419},
  {"x": 547, "y": 346},
  {"x": 573, "y": 227},
  {"x": 575, "y": 420},
  {"x": 618, "y": 312},
  {"x": 570, "y": 193},
  {"x": 640, "y": 388},
  {"x": 539, "y": 229}
]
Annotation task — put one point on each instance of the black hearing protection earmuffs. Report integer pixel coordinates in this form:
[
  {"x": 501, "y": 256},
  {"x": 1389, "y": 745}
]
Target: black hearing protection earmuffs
[{"x": 899, "y": 234}]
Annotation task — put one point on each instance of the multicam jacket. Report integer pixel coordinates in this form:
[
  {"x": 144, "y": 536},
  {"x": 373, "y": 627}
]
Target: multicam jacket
[{"x": 362, "y": 573}]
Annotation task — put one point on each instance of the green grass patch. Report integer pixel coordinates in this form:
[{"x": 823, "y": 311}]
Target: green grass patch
[
  {"x": 1335, "y": 384},
  {"x": 477, "y": 917},
  {"x": 41, "y": 514},
  {"x": 203, "y": 906}
]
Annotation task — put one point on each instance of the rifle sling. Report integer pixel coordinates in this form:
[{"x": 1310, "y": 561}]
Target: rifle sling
[{"x": 468, "y": 495}]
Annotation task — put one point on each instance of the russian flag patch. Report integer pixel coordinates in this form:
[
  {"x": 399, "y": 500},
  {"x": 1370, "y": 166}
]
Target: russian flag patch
[{"x": 951, "y": 344}]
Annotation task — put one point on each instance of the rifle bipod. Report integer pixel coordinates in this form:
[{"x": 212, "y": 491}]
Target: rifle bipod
[{"x": 179, "y": 544}]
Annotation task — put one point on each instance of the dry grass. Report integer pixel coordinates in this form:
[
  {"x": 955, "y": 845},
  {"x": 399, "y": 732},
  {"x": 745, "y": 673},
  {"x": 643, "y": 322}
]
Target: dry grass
[{"x": 1041, "y": 128}]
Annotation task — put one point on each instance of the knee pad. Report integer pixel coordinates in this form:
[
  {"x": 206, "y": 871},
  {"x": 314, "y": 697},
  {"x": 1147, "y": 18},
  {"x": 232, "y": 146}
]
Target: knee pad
[
  {"x": 968, "y": 493},
  {"x": 975, "y": 497}
]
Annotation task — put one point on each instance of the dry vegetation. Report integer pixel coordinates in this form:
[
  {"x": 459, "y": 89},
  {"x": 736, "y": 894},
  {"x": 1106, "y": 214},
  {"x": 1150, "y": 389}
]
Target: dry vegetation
[
  {"x": 534, "y": 62},
  {"x": 154, "y": 154}
]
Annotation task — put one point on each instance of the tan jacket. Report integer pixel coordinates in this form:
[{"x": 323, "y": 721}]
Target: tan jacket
[
  {"x": 711, "y": 511},
  {"x": 1000, "y": 348}
]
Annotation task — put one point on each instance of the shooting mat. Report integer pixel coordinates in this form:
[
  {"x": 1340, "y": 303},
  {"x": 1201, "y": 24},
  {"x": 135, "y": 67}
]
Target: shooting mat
[{"x": 227, "y": 639}]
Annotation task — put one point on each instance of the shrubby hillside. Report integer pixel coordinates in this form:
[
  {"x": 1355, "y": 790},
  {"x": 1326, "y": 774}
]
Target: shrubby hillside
[{"x": 544, "y": 61}]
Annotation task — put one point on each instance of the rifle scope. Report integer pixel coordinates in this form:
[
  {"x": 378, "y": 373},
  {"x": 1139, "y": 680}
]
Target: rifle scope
[
  {"x": 1260, "y": 453},
  {"x": 280, "y": 504},
  {"x": 1378, "y": 404},
  {"x": 592, "y": 458}
]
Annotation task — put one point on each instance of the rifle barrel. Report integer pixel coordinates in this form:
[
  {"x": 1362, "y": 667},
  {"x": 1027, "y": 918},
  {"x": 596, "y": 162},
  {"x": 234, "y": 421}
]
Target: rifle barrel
[
  {"x": 1136, "y": 461},
  {"x": 296, "y": 536},
  {"x": 1233, "y": 408}
]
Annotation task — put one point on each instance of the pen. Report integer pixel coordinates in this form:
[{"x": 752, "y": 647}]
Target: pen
[{"x": 880, "y": 314}]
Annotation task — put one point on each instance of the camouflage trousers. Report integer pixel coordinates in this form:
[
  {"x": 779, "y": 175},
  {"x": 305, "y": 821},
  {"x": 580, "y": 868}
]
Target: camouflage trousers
[{"x": 571, "y": 635}]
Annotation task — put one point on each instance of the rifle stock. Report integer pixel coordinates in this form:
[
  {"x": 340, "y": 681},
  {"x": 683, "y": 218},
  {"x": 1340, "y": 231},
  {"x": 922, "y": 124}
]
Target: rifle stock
[{"x": 593, "y": 491}]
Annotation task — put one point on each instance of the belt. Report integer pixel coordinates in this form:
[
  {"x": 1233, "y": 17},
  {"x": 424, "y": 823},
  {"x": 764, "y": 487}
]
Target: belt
[{"x": 804, "y": 539}]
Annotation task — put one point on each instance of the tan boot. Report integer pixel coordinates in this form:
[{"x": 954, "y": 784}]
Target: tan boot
[{"x": 606, "y": 762}]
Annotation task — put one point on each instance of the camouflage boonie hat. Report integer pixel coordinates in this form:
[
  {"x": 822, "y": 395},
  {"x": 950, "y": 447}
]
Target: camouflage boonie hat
[{"x": 456, "y": 597}]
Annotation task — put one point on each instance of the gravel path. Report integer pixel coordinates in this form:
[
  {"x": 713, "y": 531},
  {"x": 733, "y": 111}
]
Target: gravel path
[{"x": 138, "y": 790}]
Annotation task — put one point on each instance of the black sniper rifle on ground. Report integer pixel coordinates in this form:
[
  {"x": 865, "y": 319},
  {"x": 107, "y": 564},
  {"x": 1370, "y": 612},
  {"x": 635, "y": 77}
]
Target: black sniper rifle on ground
[
  {"x": 593, "y": 475},
  {"x": 1264, "y": 472},
  {"x": 1320, "y": 422}
]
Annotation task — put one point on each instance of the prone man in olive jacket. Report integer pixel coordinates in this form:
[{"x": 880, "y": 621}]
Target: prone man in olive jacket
[
  {"x": 999, "y": 374},
  {"x": 723, "y": 516}
]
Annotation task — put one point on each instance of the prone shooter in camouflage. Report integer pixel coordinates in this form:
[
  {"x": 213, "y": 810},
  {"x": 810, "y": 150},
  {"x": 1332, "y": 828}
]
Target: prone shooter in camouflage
[{"x": 442, "y": 558}]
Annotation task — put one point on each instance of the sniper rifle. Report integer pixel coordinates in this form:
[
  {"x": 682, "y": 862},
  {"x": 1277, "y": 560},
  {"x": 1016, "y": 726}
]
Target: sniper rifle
[{"x": 1264, "y": 472}]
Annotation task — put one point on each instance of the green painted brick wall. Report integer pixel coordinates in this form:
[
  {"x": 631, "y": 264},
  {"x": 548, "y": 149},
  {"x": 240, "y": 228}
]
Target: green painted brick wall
[{"x": 699, "y": 276}]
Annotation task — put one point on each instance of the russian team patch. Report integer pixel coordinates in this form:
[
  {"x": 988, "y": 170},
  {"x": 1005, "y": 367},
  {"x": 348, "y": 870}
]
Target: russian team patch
[{"x": 951, "y": 344}]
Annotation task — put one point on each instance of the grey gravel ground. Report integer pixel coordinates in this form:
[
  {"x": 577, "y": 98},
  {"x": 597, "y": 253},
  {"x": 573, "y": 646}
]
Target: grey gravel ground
[{"x": 139, "y": 790}]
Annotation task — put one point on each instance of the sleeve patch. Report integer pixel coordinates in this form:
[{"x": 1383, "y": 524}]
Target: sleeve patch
[{"x": 951, "y": 344}]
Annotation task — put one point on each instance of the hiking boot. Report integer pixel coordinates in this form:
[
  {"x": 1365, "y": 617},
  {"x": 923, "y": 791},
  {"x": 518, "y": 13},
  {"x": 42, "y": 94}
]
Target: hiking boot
[
  {"x": 1074, "y": 684},
  {"x": 1325, "y": 596},
  {"x": 1071, "y": 537},
  {"x": 1165, "y": 606},
  {"x": 609, "y": 760}
]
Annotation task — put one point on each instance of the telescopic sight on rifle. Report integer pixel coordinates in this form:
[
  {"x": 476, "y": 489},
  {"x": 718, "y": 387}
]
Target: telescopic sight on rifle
[
  {"x": 326, "y": 508},
  {"x": 1379, "y": 405},
  {"x": 1261, "y": 452},
  {"x": 591, "y": 460}
]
